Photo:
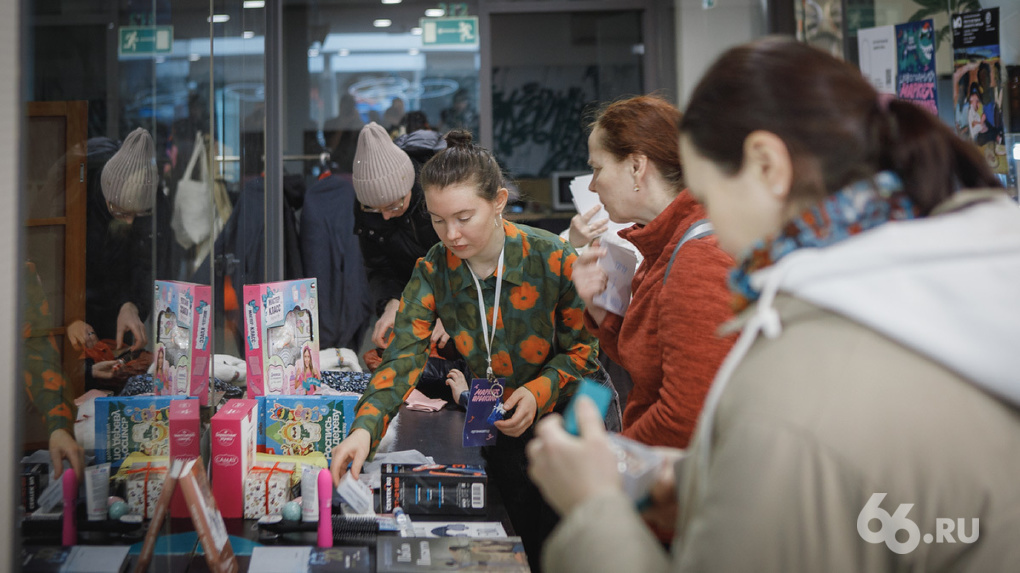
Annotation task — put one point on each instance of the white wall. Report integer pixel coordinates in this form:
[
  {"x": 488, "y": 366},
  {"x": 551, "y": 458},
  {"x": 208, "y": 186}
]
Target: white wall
[
  {"x": 10, "y": 156},
  {"x": 702, "y": 35}
]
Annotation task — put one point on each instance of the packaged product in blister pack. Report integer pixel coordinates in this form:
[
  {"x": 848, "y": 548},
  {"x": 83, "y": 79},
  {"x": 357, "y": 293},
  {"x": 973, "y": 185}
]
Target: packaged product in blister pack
[
  {"x": 183, "y": 322},
  {"x": 282, "y": 338}
]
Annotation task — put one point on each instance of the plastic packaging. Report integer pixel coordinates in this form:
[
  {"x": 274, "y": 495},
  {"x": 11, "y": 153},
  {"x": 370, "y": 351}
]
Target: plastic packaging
[
  {"x": 97, "y": 491},
  {"x": 309, "y": 493}
]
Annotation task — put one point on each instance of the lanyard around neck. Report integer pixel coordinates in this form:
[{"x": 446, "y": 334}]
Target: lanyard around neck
[{"x": 495, "y": 310}]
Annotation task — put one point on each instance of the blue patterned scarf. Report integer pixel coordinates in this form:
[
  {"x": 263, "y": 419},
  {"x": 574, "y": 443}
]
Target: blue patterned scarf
[{"x": 863, "y": 205}]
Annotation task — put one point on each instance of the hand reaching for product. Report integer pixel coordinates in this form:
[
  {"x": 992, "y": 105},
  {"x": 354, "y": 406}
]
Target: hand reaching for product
[
  {"x": 353, "y": 450},
  {"x": 383, "y": 326}
]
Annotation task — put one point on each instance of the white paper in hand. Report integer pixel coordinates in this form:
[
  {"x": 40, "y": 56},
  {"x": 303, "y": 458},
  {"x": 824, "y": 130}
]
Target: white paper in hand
[{"x": 619, "y": 264}]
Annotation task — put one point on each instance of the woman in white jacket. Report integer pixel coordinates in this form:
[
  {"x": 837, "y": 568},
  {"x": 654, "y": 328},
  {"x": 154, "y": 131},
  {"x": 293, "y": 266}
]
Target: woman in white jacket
[{"x": 868, "y": 419}]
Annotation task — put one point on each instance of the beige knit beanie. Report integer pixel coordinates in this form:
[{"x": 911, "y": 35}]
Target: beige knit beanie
[
  {"x": 383, "y": 173},
  {"x": 129, "y": 177}
]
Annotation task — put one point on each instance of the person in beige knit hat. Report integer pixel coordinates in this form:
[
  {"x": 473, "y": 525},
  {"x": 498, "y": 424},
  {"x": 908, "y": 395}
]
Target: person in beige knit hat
[
  {"x": 122, "y": 186},
  {"x": 393, "y": 227},
  {"x": 130, "y": 176}
]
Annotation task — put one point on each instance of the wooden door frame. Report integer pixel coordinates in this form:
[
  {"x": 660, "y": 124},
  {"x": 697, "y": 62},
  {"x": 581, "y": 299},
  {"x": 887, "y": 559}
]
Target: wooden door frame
[{"x": 75, "y": 114}]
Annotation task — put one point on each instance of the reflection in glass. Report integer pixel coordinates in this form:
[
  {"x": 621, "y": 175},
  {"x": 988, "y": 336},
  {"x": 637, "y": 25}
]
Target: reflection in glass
[
  {"x": 45, "y": 247},
  {"x": 44, "y": 178}
]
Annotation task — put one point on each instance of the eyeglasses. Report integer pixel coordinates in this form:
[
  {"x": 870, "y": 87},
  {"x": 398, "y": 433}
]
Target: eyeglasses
[
  {"x": 391, "y": 208},
  {"x": 118, "y": 213}
]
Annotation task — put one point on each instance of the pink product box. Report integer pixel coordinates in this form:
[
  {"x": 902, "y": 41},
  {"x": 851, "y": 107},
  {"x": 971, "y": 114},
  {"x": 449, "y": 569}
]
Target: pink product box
[
  {"x": 232, "y": 448},
  {"x": 185, "y": 428},
  {"x": 183, "y": 323},
  {"x": 282, "y": 338}
]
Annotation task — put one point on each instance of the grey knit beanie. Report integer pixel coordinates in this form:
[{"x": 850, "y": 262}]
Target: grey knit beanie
[
  {"x": 383, "y": 173},
  {"x": 129, "y": 177}
]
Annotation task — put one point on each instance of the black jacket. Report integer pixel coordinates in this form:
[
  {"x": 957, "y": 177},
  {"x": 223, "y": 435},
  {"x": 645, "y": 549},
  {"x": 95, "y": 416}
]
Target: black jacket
[
  {"x": 330, "y": 253},
  {"x": 118, "y": 258},
  {"x": 391, "y": 248}
]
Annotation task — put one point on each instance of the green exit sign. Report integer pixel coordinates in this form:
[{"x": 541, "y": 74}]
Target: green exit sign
[
  {"x": 449, "y": 31},
  {"x": 145, "y": 40}
]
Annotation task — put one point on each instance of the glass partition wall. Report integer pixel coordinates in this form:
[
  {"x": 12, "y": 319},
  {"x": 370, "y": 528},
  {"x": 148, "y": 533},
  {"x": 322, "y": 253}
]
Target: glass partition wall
[{"x": 245, "y": 105}]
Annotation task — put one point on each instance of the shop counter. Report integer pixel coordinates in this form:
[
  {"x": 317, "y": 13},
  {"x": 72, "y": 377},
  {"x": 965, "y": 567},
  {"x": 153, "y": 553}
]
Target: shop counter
[{"x": 436, "y": 434}]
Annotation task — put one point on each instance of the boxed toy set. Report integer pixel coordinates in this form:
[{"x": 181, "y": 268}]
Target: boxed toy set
[
  {"x": 183, "y": 321},
  {"x": 298, "y": 425},
  {"x": 282, "y": 338},
  {"x": 126, "y": 424},
  {"x": 267, "y": 487}
]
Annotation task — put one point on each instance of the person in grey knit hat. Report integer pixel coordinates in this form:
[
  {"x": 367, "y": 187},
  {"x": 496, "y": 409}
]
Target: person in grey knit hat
[
  {"x": 383, "y": 173},
  {"x": 129, "y": 178},
  {"x": 122, "y": 186},
  {"x": 393, "y": 227}
]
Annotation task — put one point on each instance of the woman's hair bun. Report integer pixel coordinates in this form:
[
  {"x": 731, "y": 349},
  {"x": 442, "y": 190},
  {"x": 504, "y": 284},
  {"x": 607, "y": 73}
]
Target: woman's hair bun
[{"x": 458, "y": 138}]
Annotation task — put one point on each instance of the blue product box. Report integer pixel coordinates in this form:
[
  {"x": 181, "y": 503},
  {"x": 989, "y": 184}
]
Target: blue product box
[
  {"x": 126, "y": 424},
  {"x": 299, "y": 425}
]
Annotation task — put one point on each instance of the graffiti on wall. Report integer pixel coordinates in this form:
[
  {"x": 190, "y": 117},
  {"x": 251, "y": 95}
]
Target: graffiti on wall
[{"x": 539, "y": 117}]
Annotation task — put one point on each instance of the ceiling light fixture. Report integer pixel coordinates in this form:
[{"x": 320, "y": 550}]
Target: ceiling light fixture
[
  {"x": 249, "y": 4},
  {"x": 435, "y": 13},
  {"x": 382, "y": 23},
  {"x": 416, "y": 31},
  {"x": 218, "y": 18},
  {"x": 248, "y": 34}
]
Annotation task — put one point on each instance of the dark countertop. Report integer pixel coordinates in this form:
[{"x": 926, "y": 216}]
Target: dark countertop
[{"x": 436, "y": 434}]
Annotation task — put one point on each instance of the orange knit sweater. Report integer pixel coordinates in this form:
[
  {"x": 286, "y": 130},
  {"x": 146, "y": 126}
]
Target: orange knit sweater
[{"x": 667, "y": 341}]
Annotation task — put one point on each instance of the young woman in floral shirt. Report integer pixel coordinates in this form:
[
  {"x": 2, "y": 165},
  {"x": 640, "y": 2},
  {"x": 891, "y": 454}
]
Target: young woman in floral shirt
[{"x": 538, "y": 344}]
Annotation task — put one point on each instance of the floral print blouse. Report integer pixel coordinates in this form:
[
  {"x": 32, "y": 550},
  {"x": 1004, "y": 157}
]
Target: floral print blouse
[{"x": 541, "y": 342}]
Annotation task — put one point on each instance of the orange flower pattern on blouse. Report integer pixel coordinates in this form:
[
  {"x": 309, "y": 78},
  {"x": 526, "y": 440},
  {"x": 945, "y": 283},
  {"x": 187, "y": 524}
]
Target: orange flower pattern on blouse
[
  {"x": 540, "y": 342},
  {"x": 45, "y": 384},
  {"x": 524, "y": 296},
  {"x": 534, "y": 349}
]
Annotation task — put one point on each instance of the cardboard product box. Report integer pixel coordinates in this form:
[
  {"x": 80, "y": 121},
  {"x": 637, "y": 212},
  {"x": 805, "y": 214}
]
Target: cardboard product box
[
  {"x": 143, "y": 487},
  {"x": 34, "y": 479},
  {"x": 185, "y": 442},
  {"x": 298, "y": 425},
  {"x": 282, "y": 338},
  {"x": 266, "y": 488},
  {"x": 232, "y": 448},
  {"x": 126, "y": 424},
  {"x": 433, "y": 489},
  {"x": 183, "y": 324}
]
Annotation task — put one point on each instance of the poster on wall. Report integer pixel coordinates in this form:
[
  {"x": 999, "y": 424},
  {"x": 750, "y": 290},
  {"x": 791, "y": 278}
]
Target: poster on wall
[
  {"x": 915, "y": 64},
  {"x": 876, "y": 48},
  {"x": 978, "y": 83}
]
